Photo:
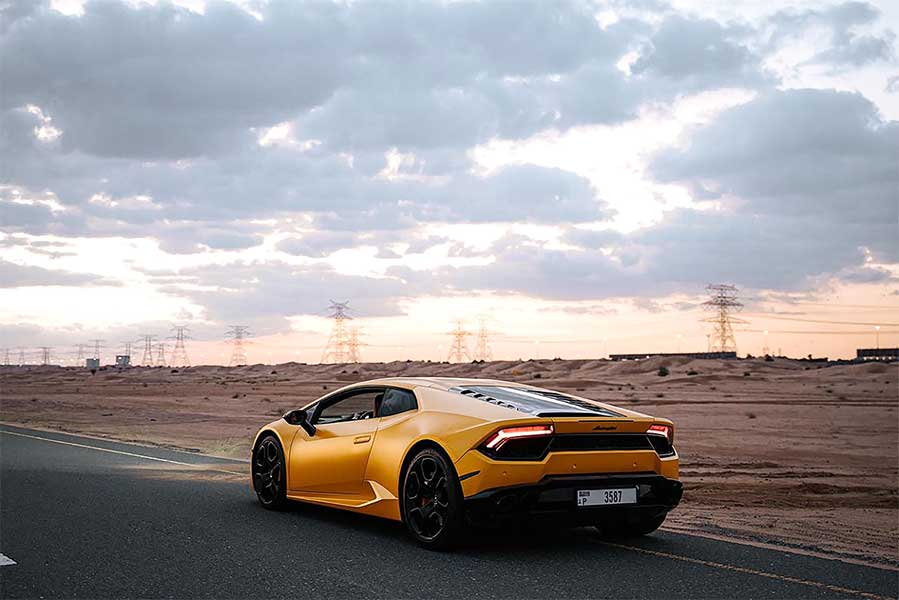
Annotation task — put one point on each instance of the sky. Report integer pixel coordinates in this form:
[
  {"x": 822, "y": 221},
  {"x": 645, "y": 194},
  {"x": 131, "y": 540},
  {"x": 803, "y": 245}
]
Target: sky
[{"x": 570, "y": 174}]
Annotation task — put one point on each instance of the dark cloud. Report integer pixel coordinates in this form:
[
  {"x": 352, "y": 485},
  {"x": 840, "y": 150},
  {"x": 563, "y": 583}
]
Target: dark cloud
[
  {"x": 700, "y": 53},
  {"x": 160, "y": 110},
  {"x": 168, "y": 103},
  {"x": 812, "y": 155}
]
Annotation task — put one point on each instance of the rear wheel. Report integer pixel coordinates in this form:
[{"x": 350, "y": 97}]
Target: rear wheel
[
  {"x": 431, "y": 502},
  {"x": 632, "y": 528},
  {"x": 268, "y": 473}
]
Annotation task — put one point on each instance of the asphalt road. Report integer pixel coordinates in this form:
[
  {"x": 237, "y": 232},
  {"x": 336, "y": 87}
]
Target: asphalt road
[{"x": 92, "y": 518}]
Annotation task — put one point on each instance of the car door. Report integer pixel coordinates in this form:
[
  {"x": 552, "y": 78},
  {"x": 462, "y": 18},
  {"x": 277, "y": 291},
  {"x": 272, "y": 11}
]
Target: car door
[{"x": 333, "y": 459}]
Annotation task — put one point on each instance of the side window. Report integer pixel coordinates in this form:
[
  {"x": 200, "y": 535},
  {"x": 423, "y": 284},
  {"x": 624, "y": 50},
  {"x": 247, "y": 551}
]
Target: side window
[
  {"x": 354, "y": 407},
  {"x": 397, "y": 401}
]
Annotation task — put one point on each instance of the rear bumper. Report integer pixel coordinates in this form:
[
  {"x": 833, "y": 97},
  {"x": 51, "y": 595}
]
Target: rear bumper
[{"x": 554, "y": 498}]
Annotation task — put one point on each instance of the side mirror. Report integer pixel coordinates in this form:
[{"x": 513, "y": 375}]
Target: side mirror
[{"x": 300, "y": 417}]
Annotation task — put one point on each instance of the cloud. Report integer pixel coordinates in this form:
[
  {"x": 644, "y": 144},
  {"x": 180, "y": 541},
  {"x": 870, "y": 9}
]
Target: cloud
[
  {"x": 263, "y": 294},
  {"x": 701, "y": 53},
  {"x": 811, "y": 155},
  {"x": 13, "y": 275},
  {"x": 848, "y": 48}
]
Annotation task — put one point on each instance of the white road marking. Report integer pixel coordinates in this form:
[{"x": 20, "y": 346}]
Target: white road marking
[
  {"x": 778, "y": 548},
  {"x": 6, "y": 561},
  {"x": 122, "y": 452}
]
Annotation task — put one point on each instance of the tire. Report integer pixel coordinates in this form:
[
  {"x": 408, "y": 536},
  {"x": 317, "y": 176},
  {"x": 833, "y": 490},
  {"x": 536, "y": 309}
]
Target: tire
[
  {"x": 637, "y": 528},
  {"x": 269, "y": 473},
  {"x": 431, "y": 502}
]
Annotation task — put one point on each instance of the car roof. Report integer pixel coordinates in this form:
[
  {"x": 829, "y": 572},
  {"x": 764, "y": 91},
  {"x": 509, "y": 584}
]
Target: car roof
[
  {"x": 439, "y": 383},
  {"x": 479, "y": 394}
]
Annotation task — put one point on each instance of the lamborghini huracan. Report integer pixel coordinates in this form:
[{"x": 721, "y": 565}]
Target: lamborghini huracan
[{"x": 441, "y": 454}]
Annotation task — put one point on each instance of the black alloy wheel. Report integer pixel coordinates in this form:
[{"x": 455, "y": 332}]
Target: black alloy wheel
[
  {"x": 432, "y": 500},
  {"x": 268, "y": 473}
]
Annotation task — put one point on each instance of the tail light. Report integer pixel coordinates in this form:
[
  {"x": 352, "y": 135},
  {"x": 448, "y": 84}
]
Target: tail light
[
  {"x": 665, "y": 430},
  {"x": 662, "y": 439},
  {"x": 527, "y": 442}
]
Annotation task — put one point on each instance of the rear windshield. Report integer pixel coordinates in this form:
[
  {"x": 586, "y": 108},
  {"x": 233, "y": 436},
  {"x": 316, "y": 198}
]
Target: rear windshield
[{"x": 538, "y": 402}]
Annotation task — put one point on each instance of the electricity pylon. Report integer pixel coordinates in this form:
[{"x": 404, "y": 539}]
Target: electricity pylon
[
  {"x": 97, "y": 346},
  {"x": 21, "y": 356},
  {"x": 6, "y": 357},
  {"x": 338, "y": 348},
  {"x": 126, "y": 348},
  {"x": 179, "y": 354},
  {"x": 353, "y": 344},
  {"x": 238, "y": 337},
  {"x": 458, "y": 351},
  {"x": 45, "y": 355},
  {"x": 147, "y": 358},
  {"x": 723, "y": 302},
  {"x": 482, "y": 349},
  {"x": 80, "y": 350},
  {"x": 160, "y": 355}
]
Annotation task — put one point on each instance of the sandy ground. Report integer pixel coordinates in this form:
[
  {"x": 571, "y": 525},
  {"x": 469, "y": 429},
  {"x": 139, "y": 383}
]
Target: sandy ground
[{"x": 781, "y": 452}]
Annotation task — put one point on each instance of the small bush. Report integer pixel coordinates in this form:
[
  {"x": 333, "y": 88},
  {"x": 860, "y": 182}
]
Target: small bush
[
  {"x": 747, "y": 374},
  {"x": 660, "y": 395},
  {"x": 174, "y": 370},
  {"x": 236, "y": 395},
  {"x": 750, "y": 415},
  {"x": 769, "y": 358},
  {"x": 691, "y": 373},
  {"x": 664, "y": 372},
  {"x": 538, "y": 376}
]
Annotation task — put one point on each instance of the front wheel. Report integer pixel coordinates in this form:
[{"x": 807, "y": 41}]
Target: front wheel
[
  {"x": 631, "y": 528},
  {"x": 431, "y": 500},
  {"x": 268, "y": 474}
]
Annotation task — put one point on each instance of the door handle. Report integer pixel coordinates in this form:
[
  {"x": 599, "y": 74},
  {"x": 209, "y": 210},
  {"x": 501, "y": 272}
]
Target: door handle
[{"x": 361, "y": 439}]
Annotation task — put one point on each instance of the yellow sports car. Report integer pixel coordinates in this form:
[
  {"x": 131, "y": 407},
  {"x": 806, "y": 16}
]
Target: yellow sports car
[{"x": 440, "y": 454}]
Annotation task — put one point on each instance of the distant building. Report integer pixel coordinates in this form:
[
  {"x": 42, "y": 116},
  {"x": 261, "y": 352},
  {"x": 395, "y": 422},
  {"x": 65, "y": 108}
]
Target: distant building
[
  {"x": 879, "y": 354},
  {"x": 123, "y": 360},
  {"x": 673, "y": 355},
  {"x": 92, "y": 363}
]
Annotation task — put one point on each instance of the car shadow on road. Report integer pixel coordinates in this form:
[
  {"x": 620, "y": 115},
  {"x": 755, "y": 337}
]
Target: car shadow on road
[{"x": 519, "y": 539}]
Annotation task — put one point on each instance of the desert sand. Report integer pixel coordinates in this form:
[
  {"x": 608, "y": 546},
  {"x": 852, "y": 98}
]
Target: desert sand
[{"x": 785, "y": 452}]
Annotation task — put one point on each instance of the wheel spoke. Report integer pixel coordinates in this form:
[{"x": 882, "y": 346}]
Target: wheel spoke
[
  {"x": 426, "y": 497},
  {"x": 413, "y": 485}
]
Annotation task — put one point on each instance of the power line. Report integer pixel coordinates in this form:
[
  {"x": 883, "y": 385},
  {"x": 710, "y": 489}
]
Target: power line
[
  {"x": 816, "y": 332},
  {"x": 823, "y": 321}
]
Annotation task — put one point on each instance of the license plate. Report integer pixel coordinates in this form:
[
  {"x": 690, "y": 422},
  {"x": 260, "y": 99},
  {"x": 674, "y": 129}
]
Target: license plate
[{"x": 607, "y": 497}]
